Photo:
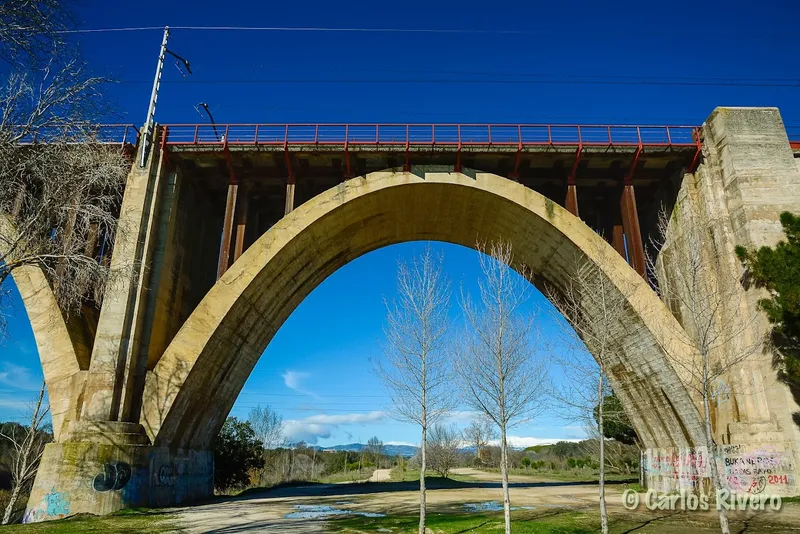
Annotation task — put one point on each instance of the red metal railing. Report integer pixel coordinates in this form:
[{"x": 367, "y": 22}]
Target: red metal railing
[
  {"x": 431, "y": 134},
  {"x": 102, "y": 133}
]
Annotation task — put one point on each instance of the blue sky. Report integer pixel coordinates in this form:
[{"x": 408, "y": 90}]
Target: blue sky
[{"x": 568, "y": 62}]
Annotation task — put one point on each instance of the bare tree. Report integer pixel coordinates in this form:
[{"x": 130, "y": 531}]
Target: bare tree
[
  {"x": 28, "y": 443},
  {"x": 414, "y": 367},
  {"x": 478, "y": 434},
  {"x": 268, "y": 427},
  {"x": 443, "y": 444},
  {"x": 375, "y": 448},
  {"x": 60, "y": 190},
  {"x": 30, "y": 29},
  {"x": 499, "y": 369},
  {"x": 594, "y": 309},
  {"x": 698, "y": 277}
]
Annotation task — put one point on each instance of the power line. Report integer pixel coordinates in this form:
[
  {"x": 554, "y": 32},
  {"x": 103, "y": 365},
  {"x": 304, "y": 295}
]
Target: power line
[
  {"x": 474, "y": 81},
  {"x": 627, "y": 34},
  {"x": 308, "y": 29}
]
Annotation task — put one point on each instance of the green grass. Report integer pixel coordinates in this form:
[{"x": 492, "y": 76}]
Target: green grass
[
  {"x": 123, "y": 522},
  {"x": 552, "y": 521},
  {"x": 523, "y": 523}
]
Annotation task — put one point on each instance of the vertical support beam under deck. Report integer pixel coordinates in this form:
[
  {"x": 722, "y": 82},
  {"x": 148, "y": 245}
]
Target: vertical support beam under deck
[
  {"x": 241, "y": 223},
  {"x": 633, "y": 234},
  {"x": 571, "y": 202},
  {"x": 227, "y": 230},
  {"x": 289, "y": 198}
]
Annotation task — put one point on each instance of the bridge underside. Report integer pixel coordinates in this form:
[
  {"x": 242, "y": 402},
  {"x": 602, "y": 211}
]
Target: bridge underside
[{"x": 598, "y": 173}]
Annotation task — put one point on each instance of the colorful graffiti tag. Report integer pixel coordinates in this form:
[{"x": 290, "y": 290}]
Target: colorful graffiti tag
[
  {"x": 766, "y": 468},
  {"x": 55, "y": 505}
]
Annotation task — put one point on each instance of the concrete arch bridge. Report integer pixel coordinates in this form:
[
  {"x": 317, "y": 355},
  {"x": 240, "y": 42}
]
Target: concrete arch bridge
[{"x": 233, "y": 226}]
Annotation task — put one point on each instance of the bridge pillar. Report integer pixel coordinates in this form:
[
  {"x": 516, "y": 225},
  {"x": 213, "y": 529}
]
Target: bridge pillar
[
  {"x": 103, "y": 460},
  {"x": 747, "y": 178}
]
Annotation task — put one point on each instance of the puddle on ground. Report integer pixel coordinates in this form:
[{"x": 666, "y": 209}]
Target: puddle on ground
[
  {"x": 492, "y": 506},
  {"x": 315, "y": 511}
]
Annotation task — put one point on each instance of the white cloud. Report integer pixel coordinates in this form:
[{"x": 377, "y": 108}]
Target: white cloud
[
  {"x": 322, "y": 426},
  {"x": 347, "y": 419},
  {"x": 20, "y": 378},
  {"x": 294, "y": 380},
  {"x": 400, "y": 443}
]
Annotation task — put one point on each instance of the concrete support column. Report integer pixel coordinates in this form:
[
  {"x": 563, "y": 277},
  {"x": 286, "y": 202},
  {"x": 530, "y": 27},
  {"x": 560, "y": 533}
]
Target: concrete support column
[
  {"x": 241, "y": 223},
  {"x": 633, "y": 234},
  {"x": 749, "y": 176},
  {"x": 571, "y": 202},
  {"x": 227, "y": 230},
  {"x": 289, "y": 198},
  {"x": 108, "y": 391}
]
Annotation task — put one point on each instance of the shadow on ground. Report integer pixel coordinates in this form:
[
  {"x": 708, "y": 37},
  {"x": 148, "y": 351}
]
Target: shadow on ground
[{"x": 364, "y": 488}]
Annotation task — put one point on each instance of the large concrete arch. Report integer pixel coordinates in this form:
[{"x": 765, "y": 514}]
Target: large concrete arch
[{"x": 195, "y": 383}]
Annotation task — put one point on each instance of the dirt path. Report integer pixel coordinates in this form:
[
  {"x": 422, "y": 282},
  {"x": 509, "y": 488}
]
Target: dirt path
[
  {"x": 381, "y": 475},
  {"x": 267, "y": 512}
]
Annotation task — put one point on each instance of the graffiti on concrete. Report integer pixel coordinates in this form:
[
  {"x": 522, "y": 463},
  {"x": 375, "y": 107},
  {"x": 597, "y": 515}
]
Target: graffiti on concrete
[
  {"x": 55, "y": 505},
  {"x": 165, "y": 476},
  {"x": 114, "y": 477},
  {"x": 755, "y": 470},
  {"x": 684, "y": 467}
]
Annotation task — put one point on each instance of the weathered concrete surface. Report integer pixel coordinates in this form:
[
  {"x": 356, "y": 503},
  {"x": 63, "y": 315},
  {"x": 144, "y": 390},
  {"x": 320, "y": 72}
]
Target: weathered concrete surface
[
  {"x": 195, "y": 383},
  {"x": 53, "y": 341},
  {"x": 103, "y": 477},
  {"x": 748, "y": 178},
  {"x": 115, "y": 368}
]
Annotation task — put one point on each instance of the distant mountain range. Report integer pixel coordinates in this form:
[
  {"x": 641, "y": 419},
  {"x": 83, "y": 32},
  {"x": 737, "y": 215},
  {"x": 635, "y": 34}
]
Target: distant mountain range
[{"x": 389, "y": 450}]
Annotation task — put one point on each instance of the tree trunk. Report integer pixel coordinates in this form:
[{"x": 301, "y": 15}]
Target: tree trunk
[
  {"x": 11, "y": 503},
  {"x": 504, "y": 475},
  {"x": 602, "y": 481},
  {"x": 712, "y": 453},
  {"x": 422, "y": 503}
]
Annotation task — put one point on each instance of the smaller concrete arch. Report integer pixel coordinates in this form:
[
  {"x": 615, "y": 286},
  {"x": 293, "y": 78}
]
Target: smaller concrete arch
[
  {"x": 194, "y": 385},
  {"x": 56, "y": 349}
]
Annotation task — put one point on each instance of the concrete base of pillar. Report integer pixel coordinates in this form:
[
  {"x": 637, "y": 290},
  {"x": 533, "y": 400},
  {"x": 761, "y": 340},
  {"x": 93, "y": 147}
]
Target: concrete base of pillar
[
  {"x": 108, "y": 474},
  {"x": 755, "y": 468}
]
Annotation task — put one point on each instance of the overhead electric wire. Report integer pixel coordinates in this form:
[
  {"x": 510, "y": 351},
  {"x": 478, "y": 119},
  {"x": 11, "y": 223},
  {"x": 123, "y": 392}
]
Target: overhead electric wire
[
  {"x": 493, "y": 81},
  {"x": 307, "y": 29},
  {"x": 627, "y": 34}
]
